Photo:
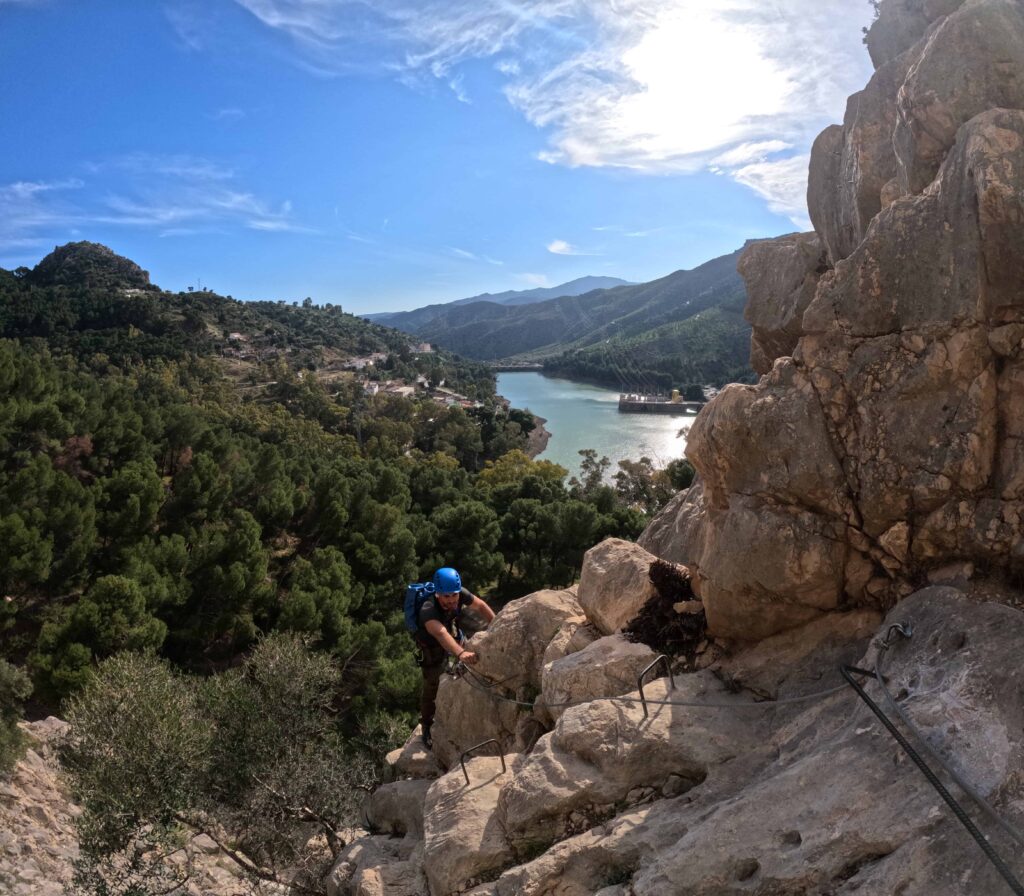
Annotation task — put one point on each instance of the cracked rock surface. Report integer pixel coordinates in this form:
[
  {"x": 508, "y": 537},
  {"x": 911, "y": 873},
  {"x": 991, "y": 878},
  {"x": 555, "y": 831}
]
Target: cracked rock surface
[{"x": 884, "y": 439}]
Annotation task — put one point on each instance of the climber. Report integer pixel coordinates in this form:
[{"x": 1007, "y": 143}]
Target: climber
[{"x": 439, "y": 635}]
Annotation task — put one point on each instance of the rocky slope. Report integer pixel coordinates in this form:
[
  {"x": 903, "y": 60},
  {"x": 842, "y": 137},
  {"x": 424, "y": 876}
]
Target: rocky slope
[
  {"x": 880, "y": 452},
  {"x": 713, "y": 792},
  {"x": 38, "y": 842}
]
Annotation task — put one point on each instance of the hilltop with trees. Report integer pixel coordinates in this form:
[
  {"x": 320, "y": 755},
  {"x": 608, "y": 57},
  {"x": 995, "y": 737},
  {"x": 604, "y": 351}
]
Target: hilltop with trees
[{"x": 184, "y": 474}]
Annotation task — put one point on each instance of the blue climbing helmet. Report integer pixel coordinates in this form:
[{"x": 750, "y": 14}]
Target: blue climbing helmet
[{"x": 447, "y": 581}]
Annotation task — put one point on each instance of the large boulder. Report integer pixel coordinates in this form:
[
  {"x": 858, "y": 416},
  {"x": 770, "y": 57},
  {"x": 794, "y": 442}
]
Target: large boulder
[
  {"x": 511, "y": 648},
  {"x": 605, "y": 668},
  {"x": 781, "y": 276},
  {"x": 877, "y": 447},
  {"x": 378, "y": 866},
  {"x": 573, "y": 635},
  {"x": 800, "y": 812},
  {"x": 901, "y": 24},
  {"x": 464, "y": 836},
  {"x": 412, "y": 760},
  {"x": 397, "y": 808},
  {"x": 677, "y": 531},
  {"x": 493, "y": 699},
  {"x": 604, "y": 754},
  {"x": 615, "y": 583},
  {"x": 470, "y": 711},
  {"x": 973, "y": 61}
]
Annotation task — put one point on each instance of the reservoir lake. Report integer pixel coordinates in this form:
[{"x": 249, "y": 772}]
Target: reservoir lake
[{"x": 582, "y": 416}]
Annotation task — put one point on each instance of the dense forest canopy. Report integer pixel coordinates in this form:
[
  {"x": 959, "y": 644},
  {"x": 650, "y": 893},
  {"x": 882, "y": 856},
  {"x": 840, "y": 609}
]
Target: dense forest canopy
[
  {"x": 163, "y": 490},
  {"x": 209, "y": 512}
]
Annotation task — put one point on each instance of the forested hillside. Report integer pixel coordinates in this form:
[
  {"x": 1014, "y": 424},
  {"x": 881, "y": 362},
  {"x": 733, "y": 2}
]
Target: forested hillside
[
  {"x": 712, "y": 347},
  {"x": 413, "y": 321},
  {"x": 684, "y": 328},
  {"x": 163, "y": 490}
]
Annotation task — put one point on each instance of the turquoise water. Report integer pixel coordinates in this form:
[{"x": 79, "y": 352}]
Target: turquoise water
[{"x": 581, "y": 416}]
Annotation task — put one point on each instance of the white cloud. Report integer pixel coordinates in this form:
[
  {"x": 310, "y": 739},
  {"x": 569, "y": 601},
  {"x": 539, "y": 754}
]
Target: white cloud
[
  {"x": 656, "y": 86},
  {"x": 534, "y": 279},
  {"x": 561, "y": 247},
  {"x": 782, "y": 183}
]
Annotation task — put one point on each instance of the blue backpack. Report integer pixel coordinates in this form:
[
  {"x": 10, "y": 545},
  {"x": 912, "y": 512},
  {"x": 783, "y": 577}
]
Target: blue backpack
[{"x": 415, "y": 595}]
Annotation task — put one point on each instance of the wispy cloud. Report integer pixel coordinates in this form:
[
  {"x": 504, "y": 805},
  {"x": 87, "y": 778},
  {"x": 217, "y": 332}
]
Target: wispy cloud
[
  {"x": 474, "y": 256},
  {"x": 561, "y": 247},
  {"x": 230, "y": 113},
  {"x": 782, "y": 183},
  {"x": 534, "y": 279},
  {"x": 171, "y": 195},
  {"x": 655, "y": 86}
]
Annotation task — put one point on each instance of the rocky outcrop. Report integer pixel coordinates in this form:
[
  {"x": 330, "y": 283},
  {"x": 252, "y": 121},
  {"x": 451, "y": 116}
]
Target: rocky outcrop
[
  {"x": 901, "y": 24},
  {"x": 511, "y": 655},
  {"x": 885, "y": 439},
  {"x": 37, "y": 836},
  {"x": 781, "y": 276},
  {"x": 714, "y": 793},
  {"x": 852, "y": 165}
]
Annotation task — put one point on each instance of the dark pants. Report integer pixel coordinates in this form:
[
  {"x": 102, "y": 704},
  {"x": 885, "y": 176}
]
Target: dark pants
[{"x": 432, "y": 664}]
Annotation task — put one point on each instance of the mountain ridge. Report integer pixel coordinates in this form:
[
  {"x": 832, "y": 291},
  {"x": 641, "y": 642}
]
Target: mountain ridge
[
  {"x": 408, "y": 321},
  {"x": 563, "y": 327}
]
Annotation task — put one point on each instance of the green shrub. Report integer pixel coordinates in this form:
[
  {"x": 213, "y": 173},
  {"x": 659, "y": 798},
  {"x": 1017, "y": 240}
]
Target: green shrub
[{"x": 14, "y": 689}]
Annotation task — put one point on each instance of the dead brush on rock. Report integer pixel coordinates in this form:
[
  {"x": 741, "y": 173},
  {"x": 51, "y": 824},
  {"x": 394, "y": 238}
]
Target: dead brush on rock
[{"x": 659, "y": 625}]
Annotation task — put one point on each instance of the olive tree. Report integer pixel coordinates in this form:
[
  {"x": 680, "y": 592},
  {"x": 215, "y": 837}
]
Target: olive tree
[{"x": 252, "y": 758}]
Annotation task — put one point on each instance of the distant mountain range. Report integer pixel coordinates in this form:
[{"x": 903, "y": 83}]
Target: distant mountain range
[
  {"x": 411, "y": 321},
  {"x": 688, "y": 324}
]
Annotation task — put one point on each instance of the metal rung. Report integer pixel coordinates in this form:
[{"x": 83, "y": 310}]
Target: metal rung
[
  {"x": 640, "y": 679},
  {"x": 465, "y": 753}
]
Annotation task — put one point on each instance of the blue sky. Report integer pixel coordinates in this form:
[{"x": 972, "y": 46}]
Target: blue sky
[{"x": 387, "y": 155}]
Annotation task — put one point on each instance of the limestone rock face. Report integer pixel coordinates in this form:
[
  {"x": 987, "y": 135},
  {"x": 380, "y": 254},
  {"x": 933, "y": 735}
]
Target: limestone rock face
[
  {"x": 378, "y": 866},
  {"x": 781, "y": 276},
  {"x": 603, "y": 754},
  {"x": 941, "y": 92},
  {"x": 413, "y": 760},
  {"x": 467, "y": 714},
  {"x": 615, "y": 583},
  {"x": 885, "y": 440},
  {"x": 800, "y": 798},
  {"x": 605, "y": 668},
  {"x": 901, "y": 24},
  {"x": 464, "y": 839},
  {"x": 574, "y": 635},
  {"x": 851, "y": 166},
  {"x": 511, "y": 648},
  {"x": 677, "y": 533}
]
